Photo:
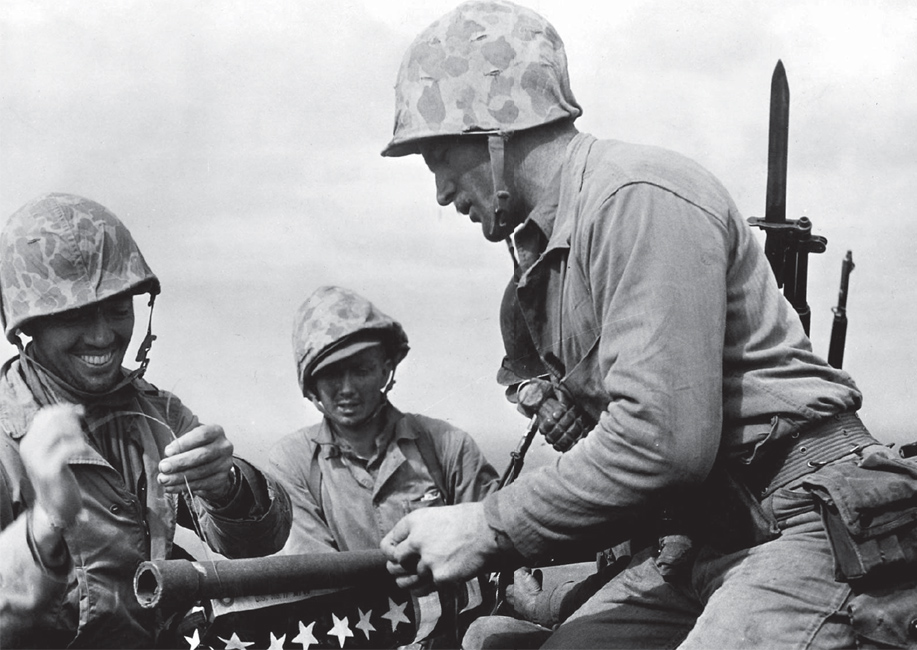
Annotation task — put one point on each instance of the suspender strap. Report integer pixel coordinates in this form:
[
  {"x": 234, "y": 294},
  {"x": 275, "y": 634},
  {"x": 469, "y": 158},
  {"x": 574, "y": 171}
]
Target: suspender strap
[
  {"x": 430, "y": 459},
  {"x": 314, "y": 477}
]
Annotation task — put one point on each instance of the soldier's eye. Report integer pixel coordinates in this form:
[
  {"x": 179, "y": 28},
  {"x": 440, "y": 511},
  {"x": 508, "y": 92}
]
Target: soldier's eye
[
  {"x": 120, "y": 309},
  {"x": 70, "y": 317},
  {"x": 441, "y": 154},
  {"x": 436, "y": 155}
]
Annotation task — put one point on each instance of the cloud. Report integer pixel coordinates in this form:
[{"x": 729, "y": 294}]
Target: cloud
[{"x": 240, "y": 143}]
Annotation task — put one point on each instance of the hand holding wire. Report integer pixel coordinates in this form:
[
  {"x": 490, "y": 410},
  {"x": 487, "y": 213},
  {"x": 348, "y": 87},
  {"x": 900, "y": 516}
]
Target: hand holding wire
[{"x": 199, "y": 462}]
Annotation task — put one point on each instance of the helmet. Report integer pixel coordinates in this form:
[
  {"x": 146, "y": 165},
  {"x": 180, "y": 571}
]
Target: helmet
[
  {"x": 334, "y": 324},
  {"x": 61, "y": 252},
  {"x": 488, "y": 66}
]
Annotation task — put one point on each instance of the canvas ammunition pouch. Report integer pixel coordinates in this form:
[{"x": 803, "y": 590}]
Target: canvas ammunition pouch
[
  {"x": 870, "y": 512},
  {"x": 732, "y": 497},
  {"x": 869, "y": 507},
  {"x": 885, "y": 615},
  {"x": 868, "y": 501},
  {"x": 727, "y": 513}
]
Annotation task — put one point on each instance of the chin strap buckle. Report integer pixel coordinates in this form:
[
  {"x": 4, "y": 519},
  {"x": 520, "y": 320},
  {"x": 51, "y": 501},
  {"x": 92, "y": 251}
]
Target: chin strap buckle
[{"x": 147, "y": 342}]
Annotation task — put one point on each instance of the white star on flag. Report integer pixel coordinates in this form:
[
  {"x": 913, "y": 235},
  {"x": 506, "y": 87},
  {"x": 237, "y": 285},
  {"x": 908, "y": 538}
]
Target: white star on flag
[
  {"x": 396, "y": 613},
  {"x": 235, "y": 643},
  {"x": 305, "y": 637},
  {"x": 194, "y": 641},
  {"x": 277, "y": 644},
  {"x": 340, "y": 629},
  {"x": 364, "y": 625}
]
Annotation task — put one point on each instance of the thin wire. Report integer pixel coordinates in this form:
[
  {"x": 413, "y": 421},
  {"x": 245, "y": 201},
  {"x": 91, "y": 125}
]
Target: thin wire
[{"x": 195, "y": 519}]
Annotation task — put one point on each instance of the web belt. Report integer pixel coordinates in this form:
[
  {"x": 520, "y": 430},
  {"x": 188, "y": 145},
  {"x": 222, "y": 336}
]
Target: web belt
[{"x": 818, "y": 444}]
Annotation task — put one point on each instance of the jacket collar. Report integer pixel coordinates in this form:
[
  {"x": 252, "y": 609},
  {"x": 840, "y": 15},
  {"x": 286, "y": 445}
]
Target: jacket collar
[
  {"x": 554, "y": 218},
  {"x": 17, "y": 404},
  {"x": 329, "y": 446}
]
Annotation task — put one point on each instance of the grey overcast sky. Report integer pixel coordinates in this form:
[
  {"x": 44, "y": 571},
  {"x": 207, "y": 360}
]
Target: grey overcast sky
[{"x": 240, "y": 143}]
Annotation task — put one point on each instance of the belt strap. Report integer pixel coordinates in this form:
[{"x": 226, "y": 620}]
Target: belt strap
[{"x": 818, "y": 444}]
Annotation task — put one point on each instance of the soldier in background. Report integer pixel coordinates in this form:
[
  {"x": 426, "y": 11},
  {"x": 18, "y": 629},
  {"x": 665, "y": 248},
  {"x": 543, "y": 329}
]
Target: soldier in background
[
  {"x": 94, "y": 460},
  {"x": 652, "y": 305},
  {"x": 366, "y": 464}
]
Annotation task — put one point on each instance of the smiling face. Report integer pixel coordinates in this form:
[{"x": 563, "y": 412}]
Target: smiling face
[
  {"x": 350, "y": 390},
  {"x": 85, "y": 346},
  {"x": 461, "y": 166}
]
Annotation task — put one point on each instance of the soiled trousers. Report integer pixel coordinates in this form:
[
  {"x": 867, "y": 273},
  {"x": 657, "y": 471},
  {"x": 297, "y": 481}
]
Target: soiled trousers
[{"x": 779, "y": 594}]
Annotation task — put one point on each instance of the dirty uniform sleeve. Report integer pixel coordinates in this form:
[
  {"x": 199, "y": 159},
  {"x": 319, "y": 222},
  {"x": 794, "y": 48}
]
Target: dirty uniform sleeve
[
  {"x": 289, "y": 463},
  {"x": 29, "y": 590},
  {"x": 656, "y": 265},
  {"x": 255, "y": 521}
]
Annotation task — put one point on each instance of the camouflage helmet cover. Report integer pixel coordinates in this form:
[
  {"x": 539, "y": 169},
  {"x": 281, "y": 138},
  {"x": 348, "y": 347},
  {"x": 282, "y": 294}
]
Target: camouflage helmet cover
[
  {"x": 61, "y": 252},
  {"x": 334, "y": 323},
  {"x": 488, "y": 66}
]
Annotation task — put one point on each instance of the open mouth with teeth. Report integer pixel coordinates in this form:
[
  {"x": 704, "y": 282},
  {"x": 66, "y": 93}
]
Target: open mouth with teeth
[{"x": 96, "y": 360}]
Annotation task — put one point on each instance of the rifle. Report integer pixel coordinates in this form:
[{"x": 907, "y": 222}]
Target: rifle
[
  {"x": 839, "y": 326},
  {"x": 517, "y": 456},
  {"x": 788, "y": 242}
]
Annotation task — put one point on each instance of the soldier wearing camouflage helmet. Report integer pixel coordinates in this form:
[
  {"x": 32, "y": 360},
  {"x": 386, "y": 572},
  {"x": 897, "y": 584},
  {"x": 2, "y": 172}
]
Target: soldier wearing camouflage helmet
[
  {"x": 366, "y": 464},
  {"x": 653, "y": 310},
  {"x": 485, "y": 71},
  {"x": 93, "y": 459}
]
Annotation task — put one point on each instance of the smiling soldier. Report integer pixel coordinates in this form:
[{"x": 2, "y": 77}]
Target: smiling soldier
[{"x": 93, "y": 459}]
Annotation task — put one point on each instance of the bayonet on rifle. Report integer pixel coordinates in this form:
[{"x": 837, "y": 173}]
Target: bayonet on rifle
[
  {"x": 777, "y": 142},
  {"x": 788, "y": 242}
]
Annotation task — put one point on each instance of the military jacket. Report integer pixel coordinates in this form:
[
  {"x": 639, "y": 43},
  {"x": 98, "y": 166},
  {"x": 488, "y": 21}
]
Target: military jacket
[
  {"x": 664, "y": 321},
  {"x": 91, "y": 603}
]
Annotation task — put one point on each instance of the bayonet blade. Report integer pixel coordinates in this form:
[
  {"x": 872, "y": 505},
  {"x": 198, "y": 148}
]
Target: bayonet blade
[{"x": 778, "y": 136}]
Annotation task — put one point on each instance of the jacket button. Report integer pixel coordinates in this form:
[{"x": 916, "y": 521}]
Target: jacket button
[
  {"x": 115, "y": 508},
  {"x": 912, "y": 628}
]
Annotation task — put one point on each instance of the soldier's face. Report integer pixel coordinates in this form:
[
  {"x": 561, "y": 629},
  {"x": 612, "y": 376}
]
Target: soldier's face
[
  {"x": 461, "y": 166},
  {"x": 351, "y": 389},
  {"x": 85, "y": 347}
]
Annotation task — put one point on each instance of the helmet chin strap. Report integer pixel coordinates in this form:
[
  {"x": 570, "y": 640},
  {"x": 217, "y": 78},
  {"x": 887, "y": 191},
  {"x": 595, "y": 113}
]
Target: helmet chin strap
[
  {"x": 147, "y": 342},
  {"x": 496, "y": 143}
]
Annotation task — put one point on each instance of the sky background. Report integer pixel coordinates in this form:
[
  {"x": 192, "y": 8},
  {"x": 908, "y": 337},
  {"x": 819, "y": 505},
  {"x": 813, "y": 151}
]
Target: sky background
[{"x": 240, "y": 141}]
